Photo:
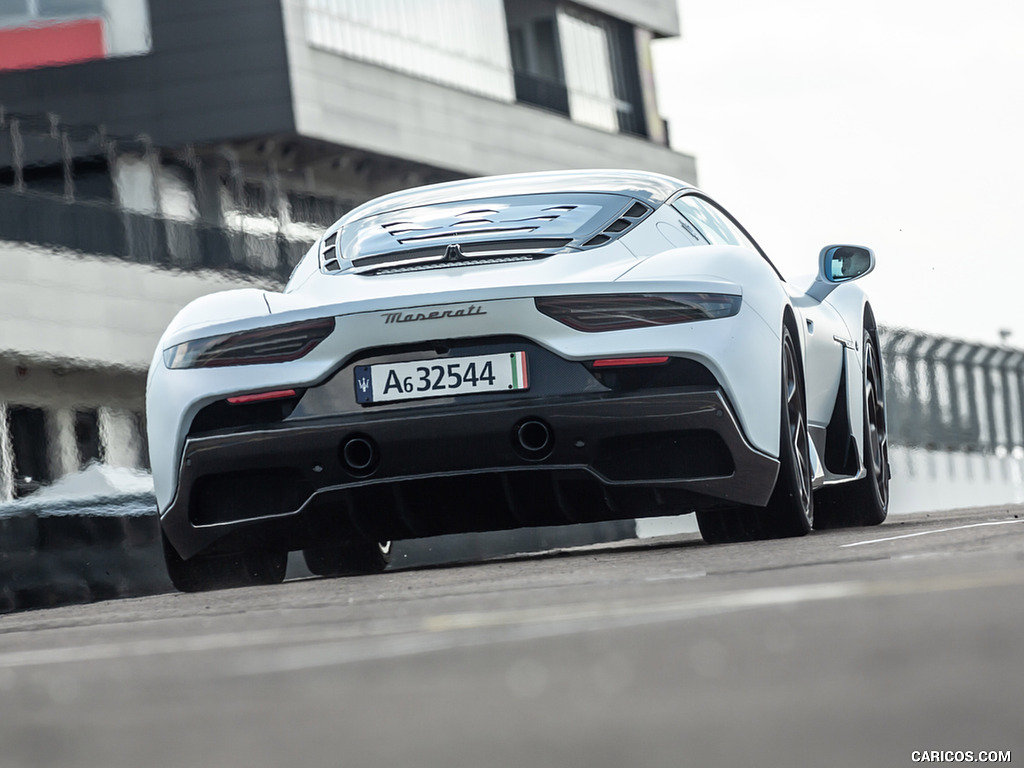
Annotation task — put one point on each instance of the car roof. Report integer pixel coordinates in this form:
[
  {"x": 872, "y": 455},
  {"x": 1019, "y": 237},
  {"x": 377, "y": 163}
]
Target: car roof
[{"x": 653, "y": 188}]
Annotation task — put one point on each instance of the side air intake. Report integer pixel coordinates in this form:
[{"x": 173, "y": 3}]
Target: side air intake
[
  {"x": 633, "y": 215},
  {"x": 329, "y": 258}
]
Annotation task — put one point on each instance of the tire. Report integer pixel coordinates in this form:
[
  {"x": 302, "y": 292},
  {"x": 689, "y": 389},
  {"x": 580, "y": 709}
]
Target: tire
[
  {"x": 727, "y": 526},
  {"x": 354, "y": 557},
  {"x": 866, "y": 501},
  {"x": 790, "y": 510},
  {"x": 205, "y": 572}
]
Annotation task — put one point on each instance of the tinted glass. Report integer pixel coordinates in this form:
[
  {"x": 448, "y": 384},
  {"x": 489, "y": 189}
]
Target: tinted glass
[
  {"x": 716, "y": 227},
  {"x": 13, "y": 8},
  {"x": 61, "y": 8}
]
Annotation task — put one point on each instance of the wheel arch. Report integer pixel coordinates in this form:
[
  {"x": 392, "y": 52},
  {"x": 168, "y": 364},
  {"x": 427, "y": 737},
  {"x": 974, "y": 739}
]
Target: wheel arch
[
  {"x": 790, "y": 322},
  {"x": 844, "y": 452},
  {"x": 870, "y": 325}
]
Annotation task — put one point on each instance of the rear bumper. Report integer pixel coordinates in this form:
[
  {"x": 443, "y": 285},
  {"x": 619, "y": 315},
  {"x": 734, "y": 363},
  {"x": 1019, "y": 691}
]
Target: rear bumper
[{"x": 432, "y": 471}]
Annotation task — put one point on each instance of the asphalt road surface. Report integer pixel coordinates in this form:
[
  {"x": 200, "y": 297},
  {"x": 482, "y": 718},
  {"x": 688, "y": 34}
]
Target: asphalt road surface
[{"x": 852, "y": 648}]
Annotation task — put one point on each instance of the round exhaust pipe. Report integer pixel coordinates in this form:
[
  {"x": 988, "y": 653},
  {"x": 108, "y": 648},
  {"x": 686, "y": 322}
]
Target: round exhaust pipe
[
  {"x": 533, "y": 439},
  {"x": 359, "y": 455}
]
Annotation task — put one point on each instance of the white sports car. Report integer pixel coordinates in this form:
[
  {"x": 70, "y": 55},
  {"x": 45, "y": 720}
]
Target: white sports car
[{"x": 526, "y": 350}]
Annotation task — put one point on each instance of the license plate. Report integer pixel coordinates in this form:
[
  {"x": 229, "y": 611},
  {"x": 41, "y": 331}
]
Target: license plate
[{"x": 504, "y": 372}]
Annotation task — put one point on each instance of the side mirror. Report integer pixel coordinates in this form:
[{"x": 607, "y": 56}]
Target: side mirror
[{"x": 840, "y": 264}]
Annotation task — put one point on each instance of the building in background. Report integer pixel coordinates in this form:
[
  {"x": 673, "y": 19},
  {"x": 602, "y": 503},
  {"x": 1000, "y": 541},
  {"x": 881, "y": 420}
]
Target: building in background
[{"x": 152, "y": 151}]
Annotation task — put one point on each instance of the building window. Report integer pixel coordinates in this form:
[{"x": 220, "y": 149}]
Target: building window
[
  {"x": 87, "y": 437},
  {"x": 461, "y": 43},
  {"x": 141, "y": 433},
  {"x": 578, "y": 63},
  {"x": 537, "y": 61},
  {"x": 586, "y": 55},
  {"x": 29, "y": 446}
]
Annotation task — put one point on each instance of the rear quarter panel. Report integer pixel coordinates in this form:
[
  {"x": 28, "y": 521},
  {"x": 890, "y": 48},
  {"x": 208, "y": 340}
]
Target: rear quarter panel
[{"x": 745, "y": 352}]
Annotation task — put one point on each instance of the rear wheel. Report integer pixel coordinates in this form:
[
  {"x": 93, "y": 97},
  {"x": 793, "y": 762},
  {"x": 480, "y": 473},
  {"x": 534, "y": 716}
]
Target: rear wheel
[
  {"x": 725, "y": 526},
  {"x": 864, "y": 501},
  {"x": 790, "y": 510},
  {"x": 244, "y": 569},
  {"x": 354, "y": 557}
]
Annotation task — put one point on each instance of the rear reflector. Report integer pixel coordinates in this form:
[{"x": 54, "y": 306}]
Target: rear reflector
[
  {"x": 624, "y": 362},
  {"x": 277, "y": 394}
]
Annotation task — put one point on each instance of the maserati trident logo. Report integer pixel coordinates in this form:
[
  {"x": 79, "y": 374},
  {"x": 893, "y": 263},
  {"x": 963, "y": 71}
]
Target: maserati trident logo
[
  {"x": 364, "y": 385},
  {"x": 437, "y": 314}
]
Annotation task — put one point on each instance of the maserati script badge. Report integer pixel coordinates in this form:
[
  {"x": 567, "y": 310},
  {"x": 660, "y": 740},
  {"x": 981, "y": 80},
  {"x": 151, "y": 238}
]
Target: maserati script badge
[{"x": 437, "y": 314}]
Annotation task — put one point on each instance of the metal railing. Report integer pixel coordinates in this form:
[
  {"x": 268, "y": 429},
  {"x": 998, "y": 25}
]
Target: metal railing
[
  {"x": 950, "y": 395},
  {"x": 104, "y": 229},
  {"x": 58, "y": 190}
]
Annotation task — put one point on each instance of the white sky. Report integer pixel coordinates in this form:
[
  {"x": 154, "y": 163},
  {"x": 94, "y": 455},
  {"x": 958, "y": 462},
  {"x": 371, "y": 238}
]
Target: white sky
[{"x": 897, "y": 124}]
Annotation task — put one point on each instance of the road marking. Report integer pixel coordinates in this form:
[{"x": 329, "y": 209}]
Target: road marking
[{"x": 925, "y": 533}]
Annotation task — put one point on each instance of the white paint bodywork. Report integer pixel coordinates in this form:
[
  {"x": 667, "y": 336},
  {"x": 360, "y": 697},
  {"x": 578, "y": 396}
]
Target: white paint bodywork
[{"x": 656, "y": 256}]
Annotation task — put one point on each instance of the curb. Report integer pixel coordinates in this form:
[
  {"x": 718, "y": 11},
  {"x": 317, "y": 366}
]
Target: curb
[{"x": 80, "y": 551}]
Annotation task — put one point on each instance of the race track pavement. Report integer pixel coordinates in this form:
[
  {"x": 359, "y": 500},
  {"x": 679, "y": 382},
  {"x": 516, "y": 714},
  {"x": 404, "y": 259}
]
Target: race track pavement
[{"x": 860, "y": 647}]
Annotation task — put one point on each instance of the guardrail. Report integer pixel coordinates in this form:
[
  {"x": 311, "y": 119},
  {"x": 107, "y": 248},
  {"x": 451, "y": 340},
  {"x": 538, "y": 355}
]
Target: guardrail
[{"x": 950, "y": 395}]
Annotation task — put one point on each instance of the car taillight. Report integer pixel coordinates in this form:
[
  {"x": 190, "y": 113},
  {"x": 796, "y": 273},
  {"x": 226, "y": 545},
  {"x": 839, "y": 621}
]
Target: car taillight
[
  {"x": 617, "y": 312},
  {"x": 276, "y": 344}
]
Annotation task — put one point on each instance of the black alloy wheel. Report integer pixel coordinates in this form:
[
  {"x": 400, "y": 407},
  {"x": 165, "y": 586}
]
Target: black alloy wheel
[{"x": 790, "y": 510}]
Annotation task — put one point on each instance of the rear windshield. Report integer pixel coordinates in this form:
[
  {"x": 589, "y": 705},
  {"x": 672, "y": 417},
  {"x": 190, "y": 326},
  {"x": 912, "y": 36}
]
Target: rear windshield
[{"x": 573, "y": 216}]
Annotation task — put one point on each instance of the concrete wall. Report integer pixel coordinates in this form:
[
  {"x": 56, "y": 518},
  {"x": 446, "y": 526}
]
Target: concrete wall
[
  {"x": 352, "y": 103},
  {"x": 659, "y": 16}
]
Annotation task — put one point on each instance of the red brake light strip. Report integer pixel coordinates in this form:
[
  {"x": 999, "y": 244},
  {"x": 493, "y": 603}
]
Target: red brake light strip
[
  {"x": 622, "y": 362},
  {"x": 277, "y": 394}
]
